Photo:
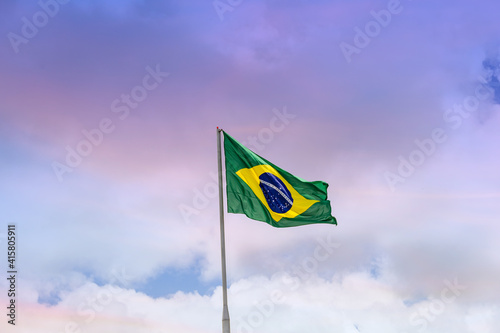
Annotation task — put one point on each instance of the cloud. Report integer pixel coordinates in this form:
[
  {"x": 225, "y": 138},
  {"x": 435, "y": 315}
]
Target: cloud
[
  {"x": 491, "y": 65},
  {"x": 345, "y": 302}
]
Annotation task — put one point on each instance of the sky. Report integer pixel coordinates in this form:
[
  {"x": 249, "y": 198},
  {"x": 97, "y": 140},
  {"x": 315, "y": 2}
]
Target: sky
[{"x": 108, "y": 154}]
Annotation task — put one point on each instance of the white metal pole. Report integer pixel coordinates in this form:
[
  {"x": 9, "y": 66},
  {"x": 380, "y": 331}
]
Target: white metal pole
[{"x": 225, "y": 310}]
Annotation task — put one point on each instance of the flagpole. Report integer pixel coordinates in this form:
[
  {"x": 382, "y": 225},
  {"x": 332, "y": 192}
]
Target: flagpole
[{"x": 225, "y": 310}]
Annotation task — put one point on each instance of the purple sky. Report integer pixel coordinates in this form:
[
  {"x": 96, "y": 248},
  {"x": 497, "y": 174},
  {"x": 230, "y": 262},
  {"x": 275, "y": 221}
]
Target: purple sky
[{"x": 108, "y": 111}]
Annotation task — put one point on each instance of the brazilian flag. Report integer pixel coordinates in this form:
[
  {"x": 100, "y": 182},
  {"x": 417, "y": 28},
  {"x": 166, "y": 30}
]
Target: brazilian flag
[{"x": 264, "y": 192}]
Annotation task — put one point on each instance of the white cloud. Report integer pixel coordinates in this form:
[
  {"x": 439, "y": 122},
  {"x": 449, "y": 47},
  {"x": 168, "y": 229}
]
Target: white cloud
[{"x": 344, "y": 303}]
